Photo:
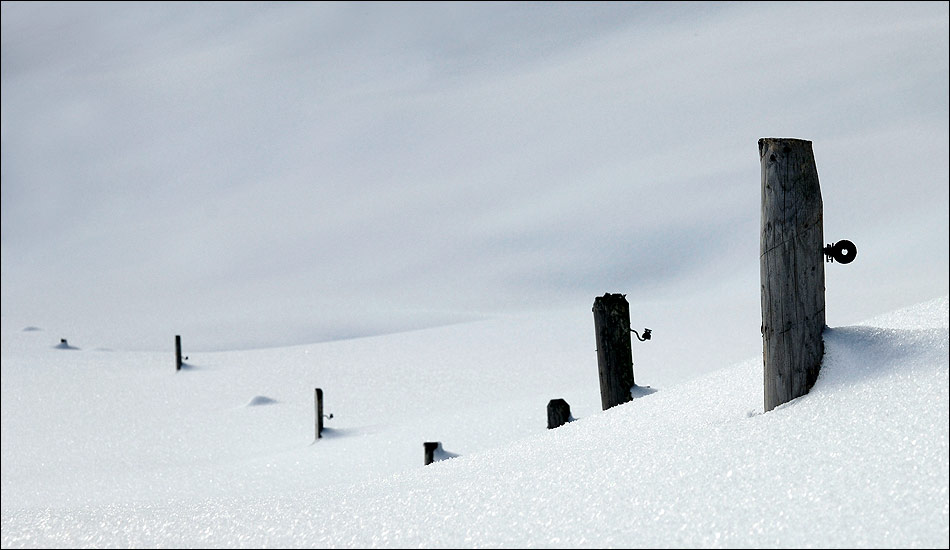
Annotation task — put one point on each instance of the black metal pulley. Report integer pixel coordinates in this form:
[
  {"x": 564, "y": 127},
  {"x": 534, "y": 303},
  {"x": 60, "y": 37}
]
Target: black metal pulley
[{"x": 843, "y": 252}]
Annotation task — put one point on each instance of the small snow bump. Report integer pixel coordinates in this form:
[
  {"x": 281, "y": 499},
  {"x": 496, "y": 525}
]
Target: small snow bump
[{"x": 258, "y": 400}]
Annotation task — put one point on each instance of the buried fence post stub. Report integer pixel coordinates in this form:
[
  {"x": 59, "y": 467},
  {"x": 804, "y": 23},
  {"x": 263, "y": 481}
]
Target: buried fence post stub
[
  {"x": 430, "y": 448},
  {"x": 177, "y": 352},
  {"x": 318, "y": 406},
  {"x": 559, "y": 413}
]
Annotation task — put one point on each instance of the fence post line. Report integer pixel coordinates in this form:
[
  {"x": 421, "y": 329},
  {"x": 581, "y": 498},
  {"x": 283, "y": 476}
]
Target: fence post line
[
  {"x": 791, "y": 268},
  {"x": 614, "y": 356},
  {"x": 177, "y": 352}
]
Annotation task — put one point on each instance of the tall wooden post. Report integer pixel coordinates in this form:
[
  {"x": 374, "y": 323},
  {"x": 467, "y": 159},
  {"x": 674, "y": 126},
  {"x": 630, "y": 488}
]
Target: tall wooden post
[
  {"x": 614, "y": 356},
  {"x": 318, "y": 405},
  {"x": 792, "y": 269},
  {"x": 177, "y": 352}
]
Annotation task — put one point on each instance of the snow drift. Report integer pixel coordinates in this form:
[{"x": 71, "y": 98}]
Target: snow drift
[{"x": 116, "y": 449}]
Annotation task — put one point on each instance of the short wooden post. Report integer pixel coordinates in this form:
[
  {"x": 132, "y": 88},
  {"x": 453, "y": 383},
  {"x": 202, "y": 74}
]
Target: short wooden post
[
  {"x": 177, "y": 352},
  {"x": 318, "y": 405},
  {"x": 614, "y": 356},
  {"x": 429, "y": 447},
  {"x": 792, "y": 269},
  {"x": 559, "y": 413}
]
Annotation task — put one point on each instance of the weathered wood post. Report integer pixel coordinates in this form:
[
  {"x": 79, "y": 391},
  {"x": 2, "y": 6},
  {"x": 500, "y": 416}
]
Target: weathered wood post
[
  {"x": 614, "y": 356},
  {"x": 318, "y": 405},
  {"x": 430, "y": 447},
  {"x": 177, "y": 352},
  {"x": 792, "y": 269},
  {"x": 559, "y": 413}
]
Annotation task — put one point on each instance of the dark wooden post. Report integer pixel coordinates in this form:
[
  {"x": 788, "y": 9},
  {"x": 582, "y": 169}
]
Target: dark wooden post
[
  {"x": 177, "y": 352},
  {"x": 429, "y": 447},
  {"x": 614, "y": 357},
  {"x": 792, "y": 269},
  {"x": 559, "y": 413},
  {"x": 318, "y": 404}
]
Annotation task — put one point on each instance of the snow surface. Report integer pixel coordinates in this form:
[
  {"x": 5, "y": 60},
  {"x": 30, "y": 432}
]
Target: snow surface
[{"x": 116, "y": 448}]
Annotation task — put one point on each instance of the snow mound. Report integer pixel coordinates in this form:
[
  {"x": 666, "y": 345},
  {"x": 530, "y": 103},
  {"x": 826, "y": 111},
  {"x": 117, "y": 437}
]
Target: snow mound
[
  {"x": 63, "y": 344},
  {"x": 259, "y": 400}
]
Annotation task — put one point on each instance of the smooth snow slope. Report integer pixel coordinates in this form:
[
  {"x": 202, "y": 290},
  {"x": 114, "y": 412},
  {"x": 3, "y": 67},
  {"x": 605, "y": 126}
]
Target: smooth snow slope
[{"x": 111, "y": 449}]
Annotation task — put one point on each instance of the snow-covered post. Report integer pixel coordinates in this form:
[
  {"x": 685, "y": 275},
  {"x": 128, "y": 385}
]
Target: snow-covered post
[
  {"x": 559, "y": 413},
  {"x": 177, "y": 352},
  {"x": 318, "y": 405},
  {"x": 614, "y": 356},
  {"x": 792, "y": 269}
]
